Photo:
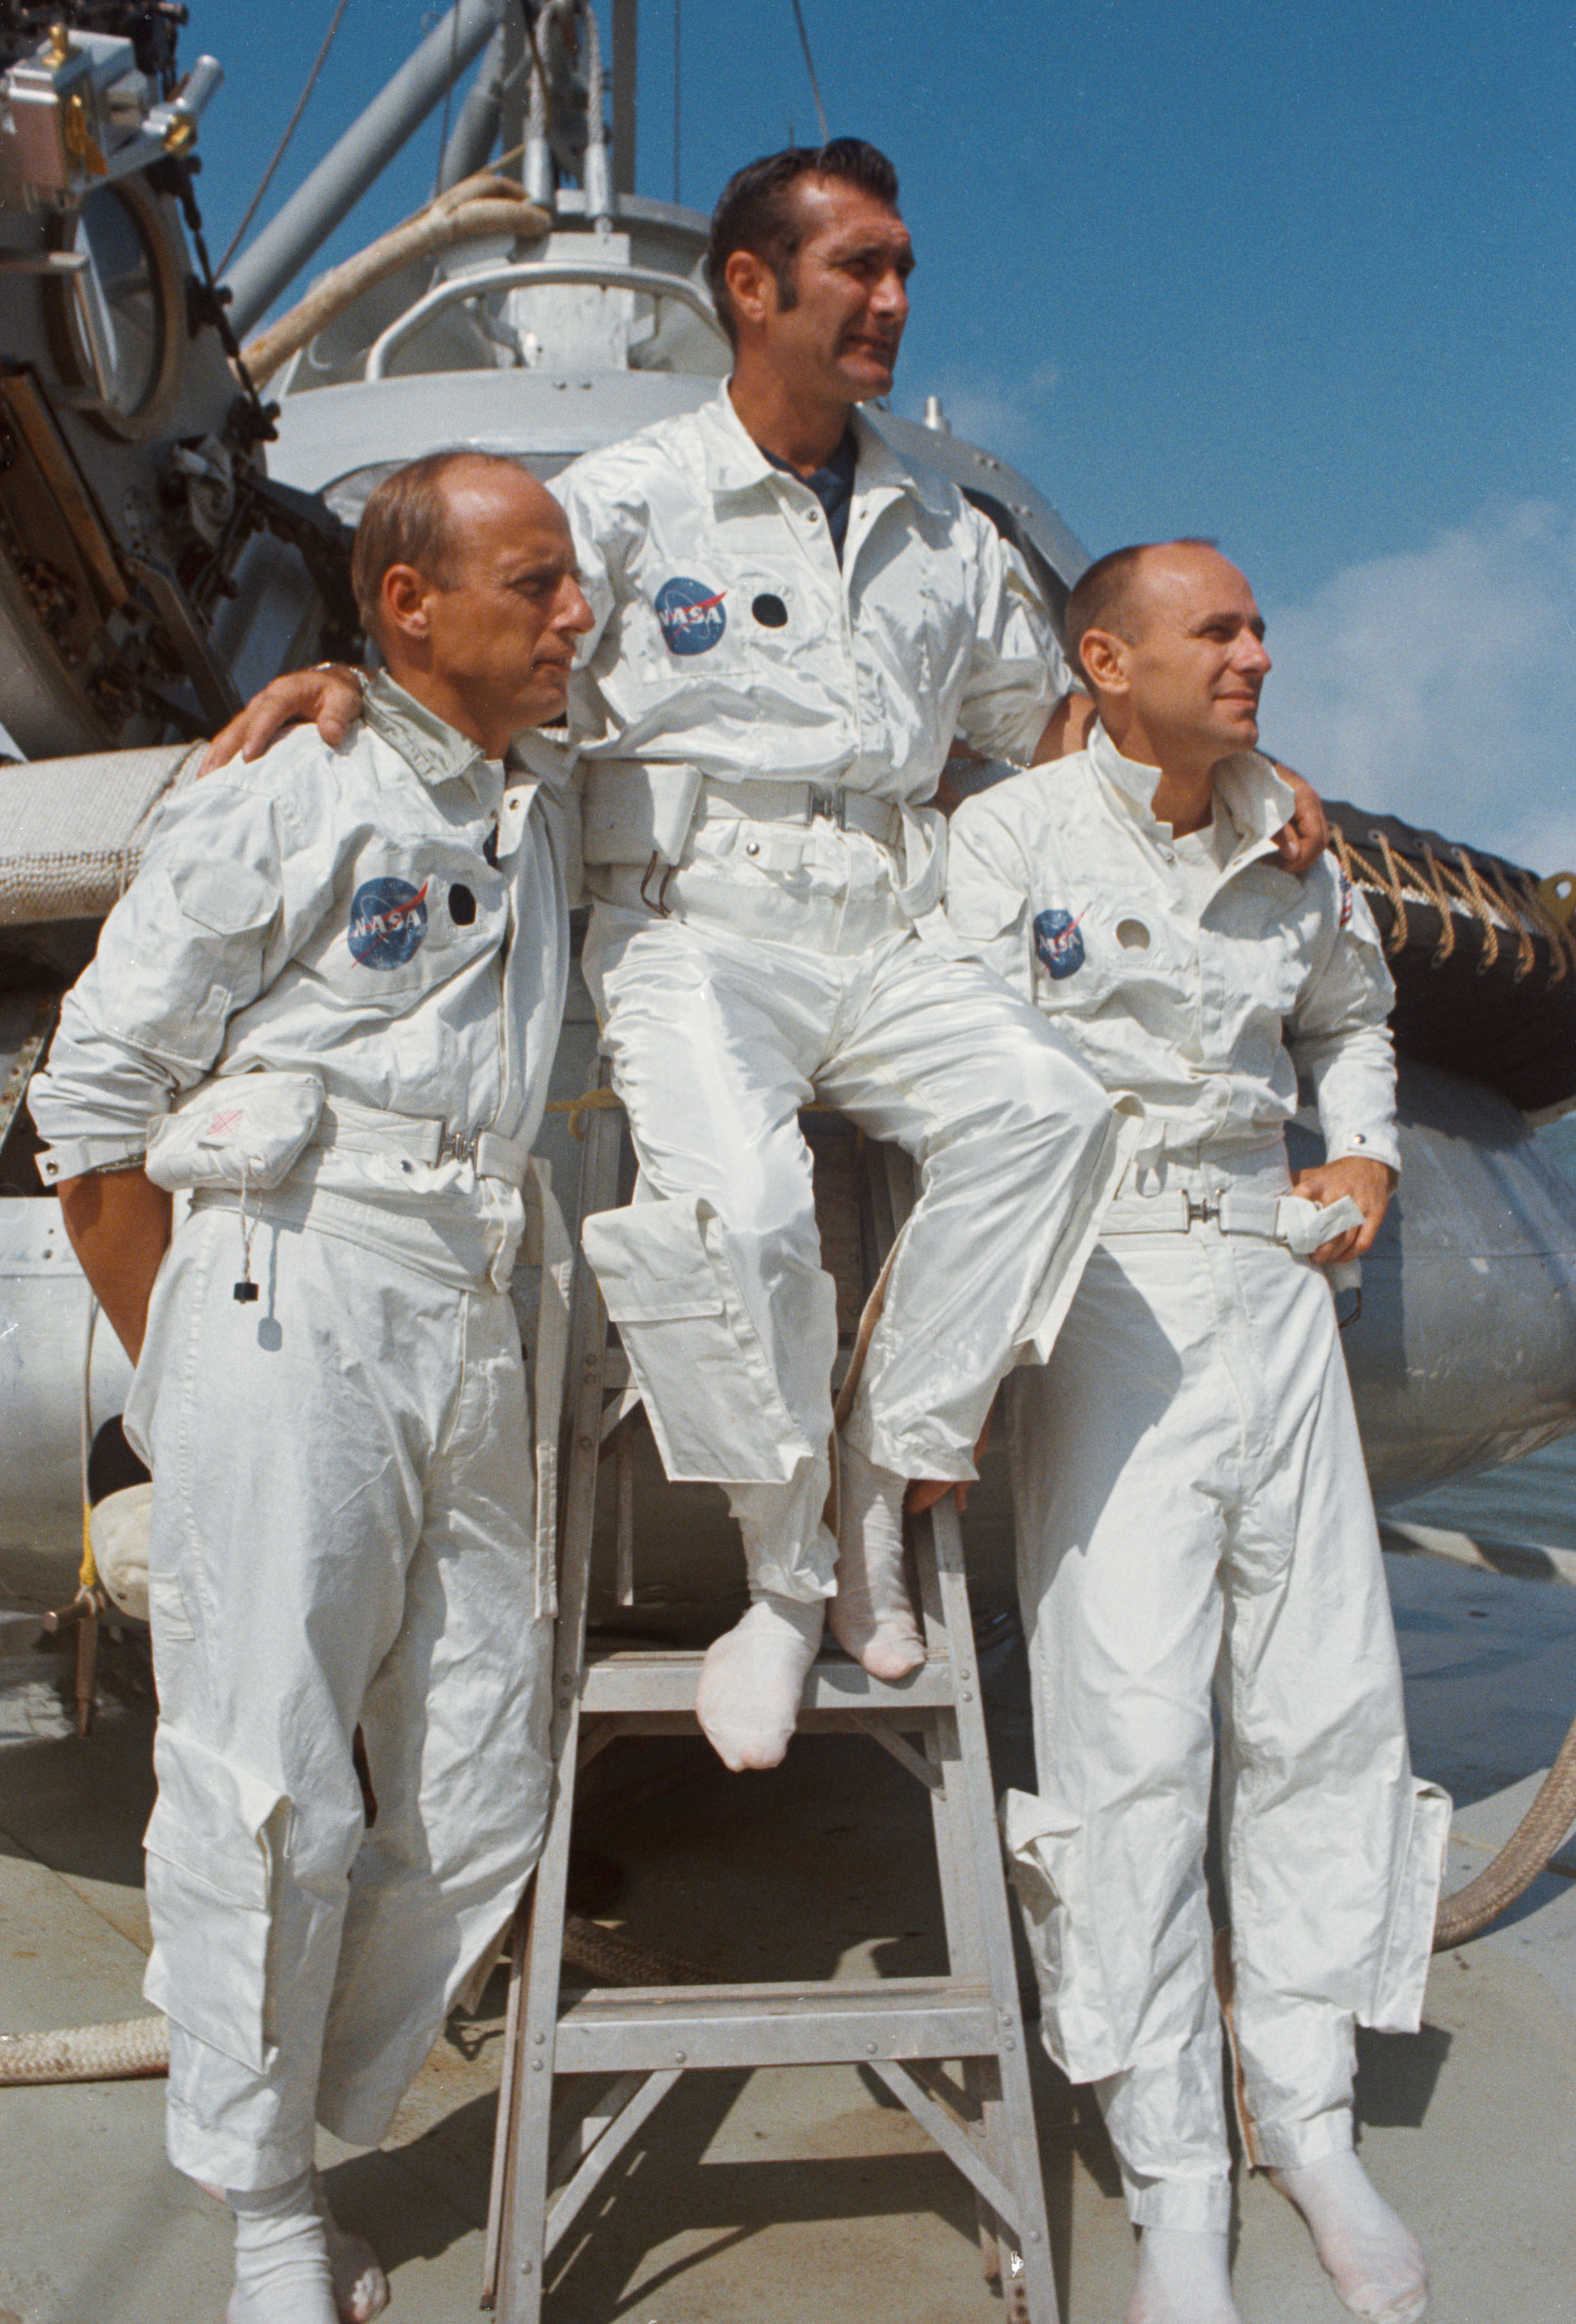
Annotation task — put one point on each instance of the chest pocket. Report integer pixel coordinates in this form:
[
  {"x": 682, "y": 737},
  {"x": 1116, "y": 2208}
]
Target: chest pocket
[
  {"x": 913, "y": 610},
  {"x": 1094, "y": 944},
  {"x": 1257, "y": 949},
  {"x": 410, "y": 921}
]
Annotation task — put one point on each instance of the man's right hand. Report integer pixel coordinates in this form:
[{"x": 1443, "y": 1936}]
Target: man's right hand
[{"x": 329, "y": 697}]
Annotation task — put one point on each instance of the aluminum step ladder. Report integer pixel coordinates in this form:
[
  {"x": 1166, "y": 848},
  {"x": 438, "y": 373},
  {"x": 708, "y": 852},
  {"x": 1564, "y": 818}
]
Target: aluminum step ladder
[{"x": 631, "y": 2045}]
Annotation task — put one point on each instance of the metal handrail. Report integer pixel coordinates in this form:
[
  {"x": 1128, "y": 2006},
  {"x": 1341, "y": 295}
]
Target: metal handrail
[{"x": 461, "y": 287}]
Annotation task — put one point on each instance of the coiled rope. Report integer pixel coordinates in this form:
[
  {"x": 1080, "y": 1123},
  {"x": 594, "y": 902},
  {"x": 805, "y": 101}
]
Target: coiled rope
[
  {"x": 1524, "y": 1856},
  {"x": 139, "y": 2047}
]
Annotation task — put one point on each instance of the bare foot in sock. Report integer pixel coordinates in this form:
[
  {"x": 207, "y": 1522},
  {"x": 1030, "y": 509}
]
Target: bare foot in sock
[
  {"x": 752, "y": 1680},
  {"x": 361, "y": 2288},
  {"x": 1371, "y": 2257},
  {"x": 1183, "y": 2279},
  {"x": 871, "y": 1617},
  {"x": 281, "y": 2257}
]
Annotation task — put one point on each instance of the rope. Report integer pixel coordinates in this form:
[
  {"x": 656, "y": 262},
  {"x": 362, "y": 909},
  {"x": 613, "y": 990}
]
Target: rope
[
  {"x": 1521, "y": 1859},
  {"x": 139, "y": 2046},
  {"x": 1506, "y": 903},
  {"x": 290, "y": 127}
]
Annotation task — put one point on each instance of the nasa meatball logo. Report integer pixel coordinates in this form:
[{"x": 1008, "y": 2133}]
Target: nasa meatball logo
[
  {"x": 1057, "y": 943},
  {"x": 691, "y": 615},
  {"x": 388, "y": 921}
]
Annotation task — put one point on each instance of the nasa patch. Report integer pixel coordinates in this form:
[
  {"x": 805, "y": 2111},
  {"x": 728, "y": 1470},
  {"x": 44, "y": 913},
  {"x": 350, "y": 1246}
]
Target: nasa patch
[
  {"x": 691, "y": 615},
  {"x": 388, "y": 921},
  {"x": 1057, "y": 943}
]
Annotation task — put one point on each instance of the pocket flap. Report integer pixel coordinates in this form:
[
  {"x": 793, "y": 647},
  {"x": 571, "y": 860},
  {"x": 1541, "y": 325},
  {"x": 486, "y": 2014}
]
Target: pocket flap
[
  {"x": 652, "y": 1264},
  {"x": 210, "y": 1819}
]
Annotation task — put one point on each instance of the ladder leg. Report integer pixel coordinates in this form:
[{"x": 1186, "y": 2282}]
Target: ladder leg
[
  {"x": 968, "y": 1808},
  {"x": 522, "y": 2137}
]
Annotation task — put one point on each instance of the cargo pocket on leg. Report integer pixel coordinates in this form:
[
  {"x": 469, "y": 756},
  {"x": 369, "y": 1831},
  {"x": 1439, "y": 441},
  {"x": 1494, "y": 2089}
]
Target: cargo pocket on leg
[
  {"x": 211, "y": 1845},
  {"x": 1396, "y": 2006},
  {"x": 714, "y": 1407}
]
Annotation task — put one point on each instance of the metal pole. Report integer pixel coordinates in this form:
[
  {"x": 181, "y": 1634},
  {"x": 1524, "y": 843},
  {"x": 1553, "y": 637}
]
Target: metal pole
[
  {"x": 344, "y": 175},
  {"x": 625, "y": 42},
  {"x": 475, "y": 132}
]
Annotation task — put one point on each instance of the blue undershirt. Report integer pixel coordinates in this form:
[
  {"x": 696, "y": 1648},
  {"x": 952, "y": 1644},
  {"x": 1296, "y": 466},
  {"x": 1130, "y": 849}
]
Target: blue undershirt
[{"x": 832, "y": 485}]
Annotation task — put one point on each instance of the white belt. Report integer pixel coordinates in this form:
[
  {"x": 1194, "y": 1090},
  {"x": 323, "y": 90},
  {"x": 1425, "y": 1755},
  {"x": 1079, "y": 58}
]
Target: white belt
[
  {"x": 368, "y": 1130},
  {"x": 805, "y": 803},
  {"x": 1303, "y": 1226},
  {"x": 633, "y": 813}
]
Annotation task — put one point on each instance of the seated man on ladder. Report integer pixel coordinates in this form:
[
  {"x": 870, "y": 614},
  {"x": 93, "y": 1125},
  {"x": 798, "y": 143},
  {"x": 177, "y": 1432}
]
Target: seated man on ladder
[
  {"x": 329, "y": 1005},
  {"x": 1193, "y": 1509},
  {"x": 792, "y": 624}
]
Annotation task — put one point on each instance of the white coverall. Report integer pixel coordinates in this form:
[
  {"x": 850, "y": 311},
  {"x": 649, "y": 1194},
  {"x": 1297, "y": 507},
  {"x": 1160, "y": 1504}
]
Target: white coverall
[
  {"x": 1191, "y": 1504},
  {"x": 342, "y": 1470},
  {"x": 767, "y": 722}
]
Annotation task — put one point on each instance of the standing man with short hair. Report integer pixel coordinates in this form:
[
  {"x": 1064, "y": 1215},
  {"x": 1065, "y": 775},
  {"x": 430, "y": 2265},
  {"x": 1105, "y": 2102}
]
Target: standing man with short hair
[
  {"x": 1193, "y": 1509},
  {"x": 329, "y": 1006}
]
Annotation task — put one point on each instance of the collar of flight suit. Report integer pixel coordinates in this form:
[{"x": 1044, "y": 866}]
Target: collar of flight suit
[
  {"x": 735, "y": 463},
  {"x": 1253, "y": 795},
  {"x": 432, "y": 748}
]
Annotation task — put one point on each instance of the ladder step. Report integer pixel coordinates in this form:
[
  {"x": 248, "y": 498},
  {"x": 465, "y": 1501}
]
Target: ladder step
[
  {"x": 644, "y": 2029},
  {"x": 663, "y": 1681}
]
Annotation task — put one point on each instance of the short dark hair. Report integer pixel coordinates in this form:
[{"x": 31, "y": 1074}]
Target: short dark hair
[
  {"x": 405, "y": 521},
  {"x": 758, "y": 212},
  {"x": 1102, "y": 596}
]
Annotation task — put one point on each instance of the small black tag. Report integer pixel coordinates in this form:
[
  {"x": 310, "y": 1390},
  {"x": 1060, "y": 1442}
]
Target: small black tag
[
  {"x": 462, "y": 905},
  {"x": 770, "y": 611},
  {"x": 245, "y": 1293}
]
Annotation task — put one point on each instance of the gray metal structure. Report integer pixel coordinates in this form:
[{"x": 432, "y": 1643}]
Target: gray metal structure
[{"x": 152, "y": 568}]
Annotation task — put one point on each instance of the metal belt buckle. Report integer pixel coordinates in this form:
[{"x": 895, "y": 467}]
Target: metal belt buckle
[
  {"x": 458, "y": 1146},
  {"x": 1201, "y": 1213},
  {"x": 831, "y": 806}
]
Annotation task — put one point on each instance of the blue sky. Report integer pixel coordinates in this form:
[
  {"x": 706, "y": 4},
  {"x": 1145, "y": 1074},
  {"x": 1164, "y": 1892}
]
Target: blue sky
[{"x": 1297, "y": 275}]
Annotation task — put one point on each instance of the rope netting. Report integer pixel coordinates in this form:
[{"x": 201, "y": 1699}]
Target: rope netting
[{"x": 1505, "y": 904}]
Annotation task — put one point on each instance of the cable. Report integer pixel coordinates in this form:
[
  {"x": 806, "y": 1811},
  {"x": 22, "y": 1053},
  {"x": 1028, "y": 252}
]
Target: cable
[
  {"x": 291, "y": 128},
  {"x": 810, "y": 68}
]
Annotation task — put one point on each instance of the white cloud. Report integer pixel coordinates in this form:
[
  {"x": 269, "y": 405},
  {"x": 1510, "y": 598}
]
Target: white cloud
[
  {"x": 1007, "y": 417},
  {"x": 1440, "y": 686}
]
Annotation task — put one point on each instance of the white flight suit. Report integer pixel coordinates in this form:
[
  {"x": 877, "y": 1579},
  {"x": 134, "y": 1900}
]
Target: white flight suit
[
  {"x": 1193, "y": 1509},
  {"x": 756, "y": 726},
  {"x": 342, "y": 1525}
]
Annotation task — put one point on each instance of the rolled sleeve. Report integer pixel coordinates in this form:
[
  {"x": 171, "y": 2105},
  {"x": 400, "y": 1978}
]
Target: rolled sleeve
[
  {"x": 179, "y": 954},
  {"x": 1018, "y": 672},
  {"x": 1340, "y": 1037}
]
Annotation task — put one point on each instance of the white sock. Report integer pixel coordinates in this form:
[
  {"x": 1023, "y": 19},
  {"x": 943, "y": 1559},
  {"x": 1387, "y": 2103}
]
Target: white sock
[
  {"x": 282, "y": 2258},
  {"x": 1183, "y": 2278},
  {"x": 361, "y": 2288},
  {"x": 871, "y": 1617},
  {"x": 1372, "y": 2258},
  {"x": 752, "y": 1680}
]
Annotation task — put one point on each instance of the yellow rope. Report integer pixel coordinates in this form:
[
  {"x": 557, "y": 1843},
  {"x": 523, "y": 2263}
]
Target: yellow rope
[{"x": 88, "y": 1572}]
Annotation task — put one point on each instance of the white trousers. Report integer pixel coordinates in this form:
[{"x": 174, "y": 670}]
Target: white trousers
[
  {"x": 1192, "y": 1513},
  {"x": 342, "y": 1524},
  {"x": 718, "y": 1032}
]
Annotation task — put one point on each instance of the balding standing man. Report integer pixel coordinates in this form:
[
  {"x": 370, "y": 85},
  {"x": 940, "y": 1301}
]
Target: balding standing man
[
  {"x": 1193, "y": 1509},
  {"x": 328, "y": 1005}
]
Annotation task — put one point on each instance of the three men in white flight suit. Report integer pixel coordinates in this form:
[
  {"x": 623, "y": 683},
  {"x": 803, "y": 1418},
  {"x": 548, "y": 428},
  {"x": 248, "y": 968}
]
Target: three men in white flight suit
[
  {"x": 331, "y": 1003},
  {"x": 1193, "y": 1509}
]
